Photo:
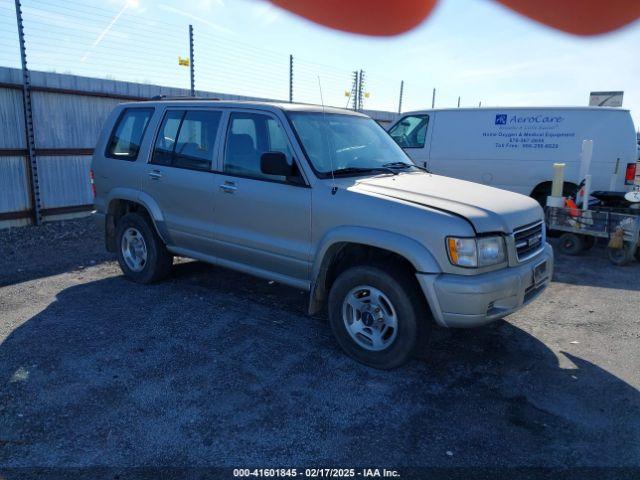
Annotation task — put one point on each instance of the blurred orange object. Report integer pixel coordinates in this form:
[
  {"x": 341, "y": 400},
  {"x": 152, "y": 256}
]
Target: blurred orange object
[
  {"x": 371, "y": 17},
  {"x": 580, "y": 17},
  {"x": 574, "y": 211},
  {"x": 387, "y": 17}
]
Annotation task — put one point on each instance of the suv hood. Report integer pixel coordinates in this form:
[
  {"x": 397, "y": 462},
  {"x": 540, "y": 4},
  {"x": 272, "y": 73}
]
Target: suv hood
[{"x": 488, "y": 209}]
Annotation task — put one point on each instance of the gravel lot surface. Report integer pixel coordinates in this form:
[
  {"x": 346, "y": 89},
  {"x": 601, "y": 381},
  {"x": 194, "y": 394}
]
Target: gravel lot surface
[{"x": 218, "y": 368}]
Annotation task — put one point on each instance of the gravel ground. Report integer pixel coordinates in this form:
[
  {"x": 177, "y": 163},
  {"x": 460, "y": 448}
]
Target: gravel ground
[{"x": 215, "y": 368}]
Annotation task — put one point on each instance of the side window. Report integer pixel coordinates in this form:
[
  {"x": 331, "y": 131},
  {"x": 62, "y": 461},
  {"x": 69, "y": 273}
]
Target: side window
[
  {"x": 411, "y": 131},
  {"x": 127, "y": 136},
  {"x": 166, "y": 140},
  {"x": 249, "y": 136},
  {"x": 278, "y": 139},
  {"x": 187, "y": 139},
  {"x": 244, "y": 126},
  {"x": 196, "y": 140}
]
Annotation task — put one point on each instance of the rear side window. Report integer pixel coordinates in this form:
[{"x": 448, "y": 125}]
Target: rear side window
[
  {"x": 127, "y": 136},
  {"x": 187, "y": 139},
  {"x": 411, "y": 131}
]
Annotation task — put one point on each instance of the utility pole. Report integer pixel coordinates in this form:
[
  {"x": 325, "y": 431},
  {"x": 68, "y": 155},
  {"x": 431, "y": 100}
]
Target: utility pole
[
  {"x": 290, "y": 78},
  {"x": 480, "y": 104},
  {"x": 191, "y": 67},
  {"x": 400, "y": 101},
  {"x": 433, "y": 99},
  {"x": 458, "y": 102},
  {"x": 360, "y": 89},
  {"x": 28, "y": 122},
  {"x": 354, "y": 90}
]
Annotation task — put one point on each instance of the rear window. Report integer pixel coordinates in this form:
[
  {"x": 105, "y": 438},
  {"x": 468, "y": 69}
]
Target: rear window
[
  {"x": 127, "y": 136},
  {"x": 411, "y": 131}
]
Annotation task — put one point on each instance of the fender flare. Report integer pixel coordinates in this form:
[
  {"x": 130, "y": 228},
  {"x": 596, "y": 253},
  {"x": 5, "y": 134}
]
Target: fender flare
[
  {"x": 414, "y": 252},
  {"x": 150, "y": 205}
]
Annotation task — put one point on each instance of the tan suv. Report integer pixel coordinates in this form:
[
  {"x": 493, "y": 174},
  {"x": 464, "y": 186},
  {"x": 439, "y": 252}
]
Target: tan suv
[{"x": 319, "y": 199}]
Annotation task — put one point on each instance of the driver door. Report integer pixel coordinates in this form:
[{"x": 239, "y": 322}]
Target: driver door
[{"x": 262, "y": 222}]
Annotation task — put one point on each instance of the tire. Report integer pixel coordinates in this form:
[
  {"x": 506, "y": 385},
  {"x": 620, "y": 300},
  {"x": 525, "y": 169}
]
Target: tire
[
  {"x": 142, "y": 255},
  {"x": 637, "y": 254},
  {"x": 391, "y": 311},
  {"x": 619, "y": 256},
  {"x": 571, "y": 244}
]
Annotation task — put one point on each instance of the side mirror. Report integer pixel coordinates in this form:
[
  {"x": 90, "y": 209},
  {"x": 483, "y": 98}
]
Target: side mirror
[{"x": 275, "y": 163}]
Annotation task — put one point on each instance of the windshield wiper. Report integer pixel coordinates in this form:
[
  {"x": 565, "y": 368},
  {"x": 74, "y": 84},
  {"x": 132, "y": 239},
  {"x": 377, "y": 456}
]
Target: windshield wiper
[
  {"x": 404, "y": 165},
  {"x": 357, "y": 170}
]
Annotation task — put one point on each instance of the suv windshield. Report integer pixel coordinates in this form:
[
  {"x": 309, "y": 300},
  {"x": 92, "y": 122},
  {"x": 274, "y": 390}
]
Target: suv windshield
[{"x": 347, "y": 144}]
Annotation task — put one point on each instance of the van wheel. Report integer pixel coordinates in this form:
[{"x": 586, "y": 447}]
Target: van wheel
[
  {"x": 142, "y": 255},
  {"x": 376, "y": 315}
]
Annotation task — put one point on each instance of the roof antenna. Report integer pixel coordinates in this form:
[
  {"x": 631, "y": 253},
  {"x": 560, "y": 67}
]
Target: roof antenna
[{"x": 334, "y": 189}]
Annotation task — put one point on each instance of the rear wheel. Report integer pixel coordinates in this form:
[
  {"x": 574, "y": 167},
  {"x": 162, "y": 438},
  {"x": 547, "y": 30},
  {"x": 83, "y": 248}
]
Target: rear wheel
[
  {"x": 571, "y": 244},
  {"x": 142, "y": 255},
  {"x": 376, "y": 315},
  {"x": 619, "y": 256}
]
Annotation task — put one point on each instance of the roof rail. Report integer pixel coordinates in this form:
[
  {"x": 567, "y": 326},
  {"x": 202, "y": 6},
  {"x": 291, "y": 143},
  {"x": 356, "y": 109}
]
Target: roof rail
[{"x": 181, "y": 97}]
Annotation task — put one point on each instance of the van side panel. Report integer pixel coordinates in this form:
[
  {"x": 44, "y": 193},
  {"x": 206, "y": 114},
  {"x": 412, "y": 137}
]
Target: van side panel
[{"x": 514, "y": 149}]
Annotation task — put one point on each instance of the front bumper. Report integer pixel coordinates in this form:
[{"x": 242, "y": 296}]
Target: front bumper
[{"x": 468, "y": 301}]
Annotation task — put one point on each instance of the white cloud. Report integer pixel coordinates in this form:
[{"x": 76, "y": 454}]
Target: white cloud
[
  {"x": 208, "y": 5},
  {"x": 214, "y": 26},
  {"x": 265, "y": 13},
  {"x": 107, "y": 29}
]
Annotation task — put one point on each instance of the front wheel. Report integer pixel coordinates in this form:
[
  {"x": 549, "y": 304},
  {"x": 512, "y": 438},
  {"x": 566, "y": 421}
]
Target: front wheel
[{"x": 376, "y": 315}]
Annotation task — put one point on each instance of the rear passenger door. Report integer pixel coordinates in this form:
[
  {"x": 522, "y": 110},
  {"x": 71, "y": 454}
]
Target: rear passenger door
[
  {"x": 179, "y": 176},
  {"x": 262, "y": 222}
]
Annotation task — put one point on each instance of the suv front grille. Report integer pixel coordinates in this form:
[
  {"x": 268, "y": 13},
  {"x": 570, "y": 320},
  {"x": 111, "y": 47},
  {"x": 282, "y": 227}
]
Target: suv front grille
[{"x": 529, "y": 239}]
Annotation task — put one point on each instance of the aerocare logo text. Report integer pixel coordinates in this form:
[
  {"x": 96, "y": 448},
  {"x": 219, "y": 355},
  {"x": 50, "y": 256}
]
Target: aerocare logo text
[{"x": 504, "y": 119}]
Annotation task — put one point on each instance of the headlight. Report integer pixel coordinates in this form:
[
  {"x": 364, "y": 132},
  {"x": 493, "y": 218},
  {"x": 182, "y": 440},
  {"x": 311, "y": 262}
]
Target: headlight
[{"x": 476, "y": 252}]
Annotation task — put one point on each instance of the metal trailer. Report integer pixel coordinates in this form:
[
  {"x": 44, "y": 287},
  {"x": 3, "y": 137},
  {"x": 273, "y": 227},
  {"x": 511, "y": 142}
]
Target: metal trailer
[{"x": 581, "y": 228}]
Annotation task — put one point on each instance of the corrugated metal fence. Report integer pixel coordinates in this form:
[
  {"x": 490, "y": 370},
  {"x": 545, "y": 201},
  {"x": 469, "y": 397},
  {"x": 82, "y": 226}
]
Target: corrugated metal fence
[{"x": 68, "y": 113}]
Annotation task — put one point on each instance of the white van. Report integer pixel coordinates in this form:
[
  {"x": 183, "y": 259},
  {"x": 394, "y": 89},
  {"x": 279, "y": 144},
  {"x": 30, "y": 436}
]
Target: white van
[{"x": 515, "y": 148}]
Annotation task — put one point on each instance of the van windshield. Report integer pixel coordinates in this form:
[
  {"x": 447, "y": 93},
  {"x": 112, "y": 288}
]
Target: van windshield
[
  {"x": 347, "y": 144},
  {"x": 411, "y": 131}
]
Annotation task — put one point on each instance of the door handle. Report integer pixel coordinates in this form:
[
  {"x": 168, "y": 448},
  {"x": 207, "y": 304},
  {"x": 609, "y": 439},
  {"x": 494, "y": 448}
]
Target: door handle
[
  {"x": 155, "y": 174},
  {"x": 228, "y": 187}
]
